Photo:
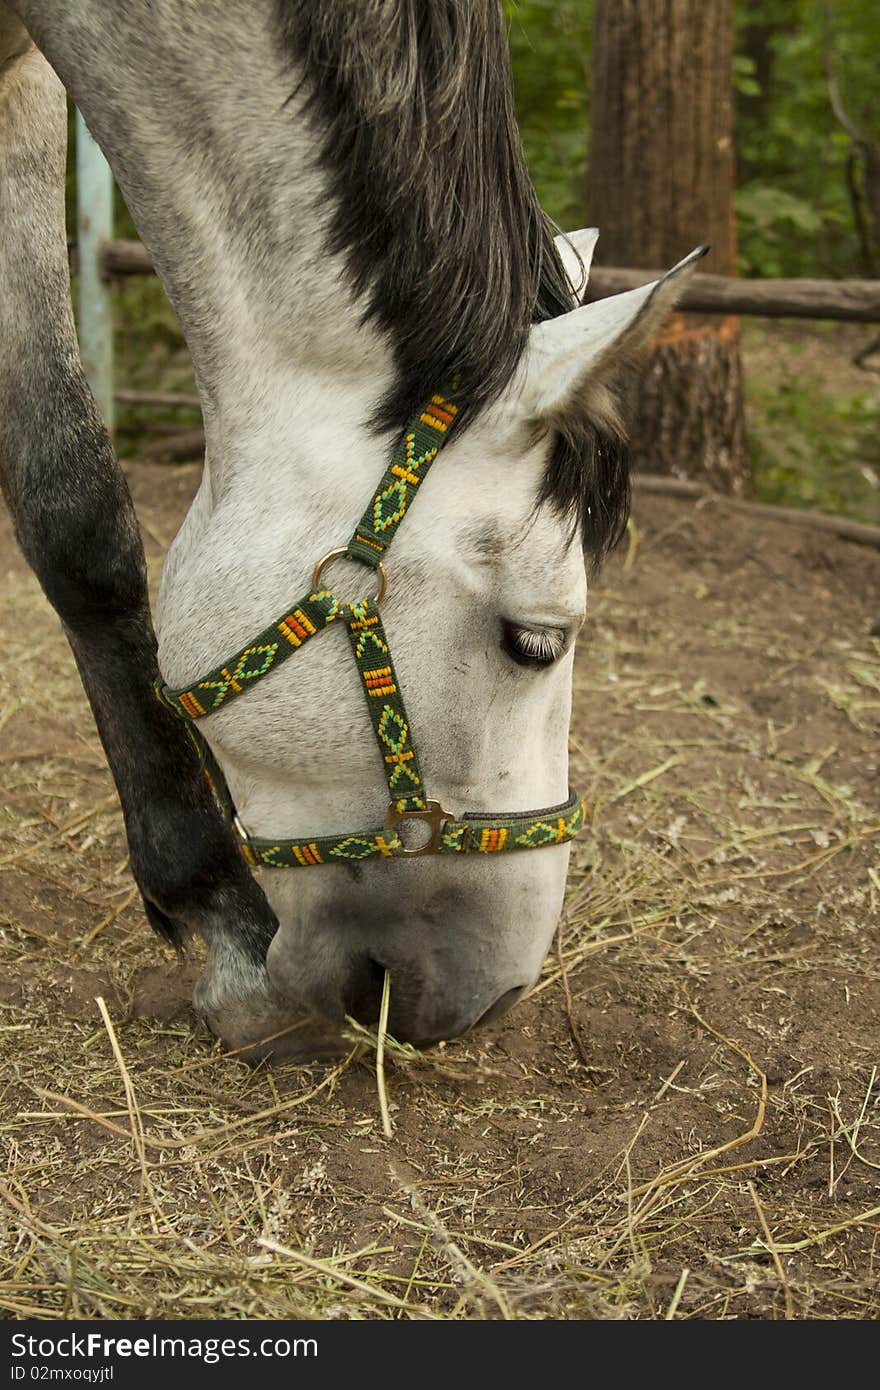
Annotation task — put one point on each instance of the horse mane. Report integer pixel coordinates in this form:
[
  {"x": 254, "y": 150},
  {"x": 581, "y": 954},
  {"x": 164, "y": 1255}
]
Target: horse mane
[{"x": 443, "y": 234}]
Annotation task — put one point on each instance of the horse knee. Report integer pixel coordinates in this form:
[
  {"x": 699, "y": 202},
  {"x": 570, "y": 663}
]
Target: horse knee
[
  {"x": 85, "y": 550},
  {"x": 71, "y": 508}
]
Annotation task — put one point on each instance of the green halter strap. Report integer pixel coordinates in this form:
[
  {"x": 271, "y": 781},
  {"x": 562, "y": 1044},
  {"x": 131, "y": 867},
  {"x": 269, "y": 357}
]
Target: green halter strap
[{"x": 475, "y": 833}]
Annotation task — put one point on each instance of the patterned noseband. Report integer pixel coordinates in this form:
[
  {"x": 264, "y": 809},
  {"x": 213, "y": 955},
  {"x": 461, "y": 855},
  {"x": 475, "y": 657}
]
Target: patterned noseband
[{"x": 437, "y": 831}]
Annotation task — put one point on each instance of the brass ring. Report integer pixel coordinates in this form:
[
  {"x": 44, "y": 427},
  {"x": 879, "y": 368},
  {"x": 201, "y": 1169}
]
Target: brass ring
[
  {"x": 337, "y": 554},
  {"x": 433, "y": 816}
]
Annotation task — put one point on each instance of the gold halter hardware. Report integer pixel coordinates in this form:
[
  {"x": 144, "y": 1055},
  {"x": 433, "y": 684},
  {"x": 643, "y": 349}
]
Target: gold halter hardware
[
  {"x": 340, "y": 552},
  {"x": 433, "y": 816}
]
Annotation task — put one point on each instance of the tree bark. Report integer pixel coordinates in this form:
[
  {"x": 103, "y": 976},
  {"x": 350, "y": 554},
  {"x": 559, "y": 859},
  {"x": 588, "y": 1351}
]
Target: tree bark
[{"x": 660, "y": 182}]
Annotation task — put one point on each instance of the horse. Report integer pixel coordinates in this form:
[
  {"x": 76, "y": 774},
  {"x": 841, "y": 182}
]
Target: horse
[{"x": 336, "y": 201}]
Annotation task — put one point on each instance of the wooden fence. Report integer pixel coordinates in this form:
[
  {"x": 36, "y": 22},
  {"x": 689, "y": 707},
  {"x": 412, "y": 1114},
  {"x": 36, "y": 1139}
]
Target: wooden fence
[{"x": 855, "y": 301}]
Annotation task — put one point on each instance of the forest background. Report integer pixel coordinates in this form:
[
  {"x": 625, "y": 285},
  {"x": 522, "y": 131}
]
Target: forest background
[{"x": 813, "y": 422}]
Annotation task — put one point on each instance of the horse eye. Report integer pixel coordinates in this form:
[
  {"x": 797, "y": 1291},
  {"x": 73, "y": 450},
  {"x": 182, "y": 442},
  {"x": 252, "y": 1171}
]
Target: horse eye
[{"x": 533, "y": 646}]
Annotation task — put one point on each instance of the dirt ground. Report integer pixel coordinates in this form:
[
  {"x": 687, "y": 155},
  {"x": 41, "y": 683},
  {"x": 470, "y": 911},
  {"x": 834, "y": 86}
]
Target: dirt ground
[{"x": 683, "y": 1120}]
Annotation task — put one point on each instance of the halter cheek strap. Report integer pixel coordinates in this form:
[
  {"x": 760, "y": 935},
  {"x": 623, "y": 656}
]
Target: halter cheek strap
[{"x": 441, "y": 833}]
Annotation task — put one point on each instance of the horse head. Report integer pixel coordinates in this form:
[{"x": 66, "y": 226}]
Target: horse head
[{"x": 484, "y": 593}]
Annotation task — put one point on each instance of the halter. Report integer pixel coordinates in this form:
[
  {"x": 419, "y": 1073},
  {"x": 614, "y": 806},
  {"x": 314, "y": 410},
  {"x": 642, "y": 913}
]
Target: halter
[{"x": 473, "y": 833}]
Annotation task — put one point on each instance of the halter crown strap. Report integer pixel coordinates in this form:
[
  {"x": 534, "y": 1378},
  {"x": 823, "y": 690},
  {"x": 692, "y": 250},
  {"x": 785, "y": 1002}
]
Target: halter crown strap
[
  {"x": 410, "y": 462},
  {"x": 483, "y": 834}
]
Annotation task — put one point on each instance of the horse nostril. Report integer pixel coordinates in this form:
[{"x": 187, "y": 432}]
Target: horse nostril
[
  {"x": 363, "y": 994},
  {"x": 501, "y": 1005},
  {"x": 377, "y": 970}
]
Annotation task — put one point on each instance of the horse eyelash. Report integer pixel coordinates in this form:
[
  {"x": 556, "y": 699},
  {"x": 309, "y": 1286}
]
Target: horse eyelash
[{"x": 541, "y": 646}]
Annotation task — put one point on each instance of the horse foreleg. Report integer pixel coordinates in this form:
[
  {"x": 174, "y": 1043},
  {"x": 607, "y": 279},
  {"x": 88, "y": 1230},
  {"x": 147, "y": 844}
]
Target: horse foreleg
[{"x": 76, "y": 525}]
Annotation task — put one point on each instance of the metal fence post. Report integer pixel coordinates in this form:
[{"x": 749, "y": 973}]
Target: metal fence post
[{"x": 94, "y": 218}]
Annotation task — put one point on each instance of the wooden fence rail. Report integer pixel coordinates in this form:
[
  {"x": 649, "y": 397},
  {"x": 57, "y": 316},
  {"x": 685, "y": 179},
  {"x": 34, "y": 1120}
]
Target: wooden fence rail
[{"x": 856, "y": 301}]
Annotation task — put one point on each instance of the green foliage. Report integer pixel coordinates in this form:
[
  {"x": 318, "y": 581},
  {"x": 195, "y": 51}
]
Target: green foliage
[
  {"x": 151, "y": 355},
  {"x": 550, "y": 49},
  {"x": 810, "y": 445},
  {"x": 793, "y": 205},
  {"x": 813, "y": 444}
]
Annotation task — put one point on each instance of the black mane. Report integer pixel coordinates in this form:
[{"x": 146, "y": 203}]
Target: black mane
[{"x": 444, "y": 235}]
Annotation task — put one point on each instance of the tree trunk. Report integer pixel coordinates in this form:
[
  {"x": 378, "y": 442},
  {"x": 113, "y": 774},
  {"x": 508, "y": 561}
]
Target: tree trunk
[{"x": 660, "y": 182}]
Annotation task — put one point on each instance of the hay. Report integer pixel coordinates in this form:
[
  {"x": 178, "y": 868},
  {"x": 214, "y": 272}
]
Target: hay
[{"x": 380, "y": 1056}]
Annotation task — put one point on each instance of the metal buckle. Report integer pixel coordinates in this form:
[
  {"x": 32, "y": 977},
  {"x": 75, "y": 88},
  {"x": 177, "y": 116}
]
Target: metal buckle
[
  {"x": 433, "y": 816},
  {"x": 337, "y": 554}
]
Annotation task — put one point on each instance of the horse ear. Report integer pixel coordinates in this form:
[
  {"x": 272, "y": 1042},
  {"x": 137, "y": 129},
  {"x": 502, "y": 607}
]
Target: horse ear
[
  {"x": 576, "y": 252},
  {"x": 574, "y": 360}
]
